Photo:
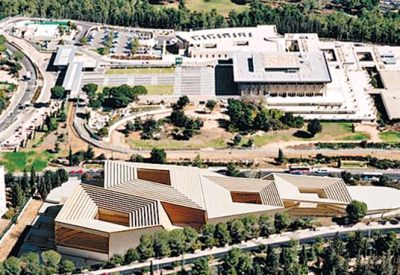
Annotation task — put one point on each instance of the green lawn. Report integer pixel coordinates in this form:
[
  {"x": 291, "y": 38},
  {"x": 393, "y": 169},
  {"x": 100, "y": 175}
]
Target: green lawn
[
  {"x": 331, "y": 131},
  {"x": 160, "y": 89},
  {"x": 169, "y": 70},
  {"x": 221, "y": 6},
  {"x": 390, "y": 136},
  {"x": 213, "y": 138},
  {"x": 18, "y": 161}
]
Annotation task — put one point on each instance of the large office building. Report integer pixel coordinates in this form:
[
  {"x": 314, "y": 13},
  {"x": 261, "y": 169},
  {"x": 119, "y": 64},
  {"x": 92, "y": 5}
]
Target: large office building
[{"x": 100, "y": 220}]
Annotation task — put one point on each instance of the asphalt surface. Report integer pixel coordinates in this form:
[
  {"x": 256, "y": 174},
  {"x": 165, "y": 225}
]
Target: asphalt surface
[{"x": 13, "y": 110}]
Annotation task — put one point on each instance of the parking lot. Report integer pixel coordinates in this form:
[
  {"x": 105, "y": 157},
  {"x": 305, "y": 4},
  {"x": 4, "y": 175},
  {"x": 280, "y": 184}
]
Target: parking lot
[{"x": 120, "y": 42}]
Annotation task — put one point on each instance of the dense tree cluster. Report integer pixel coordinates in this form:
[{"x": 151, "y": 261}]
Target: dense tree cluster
[
  {"x": 370, "y": 24},
  {"x": 48, "y": 262},
  {"x": 26, "y": 185},
  {"x": 246, "y": 116},
  {"x": 185, "y": 127},
  {"x": 114, "y": 97}
]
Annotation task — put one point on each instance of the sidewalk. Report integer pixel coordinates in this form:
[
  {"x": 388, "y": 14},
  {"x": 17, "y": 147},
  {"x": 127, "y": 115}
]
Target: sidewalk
[{"x": 9, "y": 241}]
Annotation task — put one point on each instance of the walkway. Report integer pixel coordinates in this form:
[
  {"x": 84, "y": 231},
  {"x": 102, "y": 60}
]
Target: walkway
[{"x": 26, "y": 219}]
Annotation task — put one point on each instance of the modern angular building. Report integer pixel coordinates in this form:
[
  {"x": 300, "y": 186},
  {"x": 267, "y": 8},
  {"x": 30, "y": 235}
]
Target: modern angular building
[{"x": 98, "y": 221}]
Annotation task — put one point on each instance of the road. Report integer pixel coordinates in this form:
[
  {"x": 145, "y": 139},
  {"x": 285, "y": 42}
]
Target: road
[
  {"x": 24, "y": 94},
  {"x": 303, "y": 236}
]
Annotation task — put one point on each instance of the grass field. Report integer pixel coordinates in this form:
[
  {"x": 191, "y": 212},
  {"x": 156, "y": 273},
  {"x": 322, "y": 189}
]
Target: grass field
[
  {"x": 390, "y": 136},
  {"x": 141, "y": 71},
  {"x": 221, "y": 6},
  {"x": 171, "y": 144},
  {"x": 217, "y": 138},
  {"x": 160, "y": 89},
  {"x": 18, "y": 161},
  {"x": 331, "y": 131}
]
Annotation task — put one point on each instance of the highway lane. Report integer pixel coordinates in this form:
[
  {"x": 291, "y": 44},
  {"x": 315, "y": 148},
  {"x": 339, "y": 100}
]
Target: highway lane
[{"x": 24, "y": 96}]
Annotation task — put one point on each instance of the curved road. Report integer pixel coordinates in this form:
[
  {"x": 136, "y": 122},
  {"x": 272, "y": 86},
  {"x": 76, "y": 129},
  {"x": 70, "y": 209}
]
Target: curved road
[{"x": 22, "y": 96}]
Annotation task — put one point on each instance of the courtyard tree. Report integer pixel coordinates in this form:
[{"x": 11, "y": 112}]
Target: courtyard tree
[
  {"x": 356, "y": 210},
  {"x": 314, "y": 127}
]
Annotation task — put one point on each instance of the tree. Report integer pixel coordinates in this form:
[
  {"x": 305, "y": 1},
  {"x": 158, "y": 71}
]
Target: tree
[
  {"x": 266, "y": 226},
  {"x": 385, "y": 244},
  {"x": 158, "y": 156},
  {"x": 201, "y": 267},
  {"x": 12, "y": 266},
  {"x": 221, "y": 235},
  {"x": 236, "y": 140},
  {"x": 131, "y": 256},
  {"x": 237, "y": 230},
  {"x": 51, "y": 258},
  {"x": 62, "y": 174},
  {"x": 70, "y": 160},
  {"x": 67, "y": 266},
  {"x": 281, "y": 221},
  {"x": 182, "y": 102},
  {"x": 161, "y": 244},
  {"x": 236, "y": 262},
  {"x": 134, "y": 46},
  {"x": 89, "y": 154},
  {"x": 271, "y": 262},
  {"x": 57, "y": 92},
  {"x": 356, "y": 210},
  {"x": 251, "y": 227},
  {"x": 17, "y": 196},
  {"x": 25, "y": 182},
  {"x": 191, "y": 239},
  {"x": 281, "y": 157},
  {"x": 355, "y": 244},
  {"x": 90, "y": 89},
  {"x": 115, "y": 260},
  {"x": 314, "y": 127},
  {"x": 210, "y": 105},
  {"x": 177, "y": 242},
  {"x": 231, "y": 170},
  {"x": 207, "y": 236},
  {"x": 145, "y": 247}
]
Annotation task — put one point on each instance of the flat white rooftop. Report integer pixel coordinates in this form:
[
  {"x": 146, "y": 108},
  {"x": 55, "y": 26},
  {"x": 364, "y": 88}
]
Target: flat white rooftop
[
  {"x": 64, "y": 55},
  {"x": 281, "y": 67}
]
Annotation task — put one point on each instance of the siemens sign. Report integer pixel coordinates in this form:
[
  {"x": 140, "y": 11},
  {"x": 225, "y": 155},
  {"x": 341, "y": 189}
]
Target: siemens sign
[{"x": 221, "y": 36}]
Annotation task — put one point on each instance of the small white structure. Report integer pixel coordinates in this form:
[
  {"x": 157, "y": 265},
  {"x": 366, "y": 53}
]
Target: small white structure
[{"x": 3, "y": 203}]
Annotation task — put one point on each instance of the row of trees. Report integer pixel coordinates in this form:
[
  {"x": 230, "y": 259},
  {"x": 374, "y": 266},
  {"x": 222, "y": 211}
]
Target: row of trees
[
  {"x": 359, "y": 255},
  {"x": 48, "y": 262},
  {"x": 370, "y": 25},
  {"x": 179, "y": 241},
  {"x": 28, "y": 185}
]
